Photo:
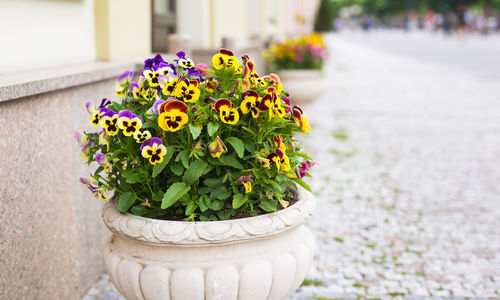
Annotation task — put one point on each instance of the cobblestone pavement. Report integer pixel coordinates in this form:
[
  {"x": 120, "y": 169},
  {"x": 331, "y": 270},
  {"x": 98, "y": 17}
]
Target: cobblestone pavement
[{"x": 408, "y": 183}]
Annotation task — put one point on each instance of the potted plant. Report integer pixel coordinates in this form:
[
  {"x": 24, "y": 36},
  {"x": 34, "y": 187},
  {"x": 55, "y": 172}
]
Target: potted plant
[
  {"x": 204, "y": 178},
  {"x": 300, "y": 61}
]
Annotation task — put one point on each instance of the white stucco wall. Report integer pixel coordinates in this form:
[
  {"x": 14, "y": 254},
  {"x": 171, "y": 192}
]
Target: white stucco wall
[{"x": 44, "y": 33}]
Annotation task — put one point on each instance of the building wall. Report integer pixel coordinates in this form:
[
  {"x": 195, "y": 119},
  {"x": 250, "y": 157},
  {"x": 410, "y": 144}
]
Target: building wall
[
  {"x": 123, "y": 29},
  {"x": 45, "y": 33}
]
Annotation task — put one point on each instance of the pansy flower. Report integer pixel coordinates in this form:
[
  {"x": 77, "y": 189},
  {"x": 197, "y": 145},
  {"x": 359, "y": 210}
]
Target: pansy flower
[
  {"x": 141, "y": 136},
  {"x": 304, "y": 167},
  {"x": 283, "y": 203},
  {"x": 247, "y": 182},
  {"x": 280, "y": 159},
  {"x": 103, "y": 139},
  {"x": 275, "y": 81},
  {"x": 151, "y": 62},
  {"x": 103, "y": 161},
  {"x": 216, "y": 148},
  {"x": 168, "y": 85},
  {"x": 121, "y": 83},
  {"x": 129, "y": 122},
  {"x": 211, "y": 85},
  {"x": 300, "y": 119},
  {"x": 152, "y": 74},
  {"x": 264, "y": 162},
  {"x": 278, "y": 142},
  {"x": 95, "y": 115},
  {"x": 249, "y": 69},
  {"x": 154, "y": 150},
  {"x": 188, "y": 90},
  {"x": 85, "y": 143},
  {"x": 183, "y": 62},
  {"x": 225, "y": 59},
  {"x": 228, "y": 114},
  {"x": 157, "y": 104},
  {"x": 272, "y": 103},
  {"x": 250, "y": 103},
  {"x": 173, "y": 115},
  {"x": 137, "y": 90},
  {"x": 109, "y": 121},
  {"x": 96, "y": 191}
]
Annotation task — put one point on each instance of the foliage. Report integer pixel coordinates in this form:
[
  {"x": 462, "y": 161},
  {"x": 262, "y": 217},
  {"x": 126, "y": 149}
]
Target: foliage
[
  {"x": 196, "y": 142},
  {"x": 301, "y": 52},
  {"x": 324, "y": 18}
]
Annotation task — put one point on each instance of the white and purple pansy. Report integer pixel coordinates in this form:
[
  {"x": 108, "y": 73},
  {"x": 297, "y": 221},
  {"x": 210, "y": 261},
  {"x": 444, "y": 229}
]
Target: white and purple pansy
[
  {"x": 85, "y": 143},
  {"x": 153, "y": 74},
  {"x": 96, "y": 191},
  {"x": 103, "y": 161},
  {"x": 154, "y": 150},
  {"x": 183, "y": 62},
  {"x": 122, "y": 83},
  {"x": 129, "y": 122},
  {"x": 109, "y": 120}
]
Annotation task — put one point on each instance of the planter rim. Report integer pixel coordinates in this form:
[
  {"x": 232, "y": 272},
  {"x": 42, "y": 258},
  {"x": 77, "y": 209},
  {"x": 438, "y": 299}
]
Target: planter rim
[{"x": 180, "y": 233}]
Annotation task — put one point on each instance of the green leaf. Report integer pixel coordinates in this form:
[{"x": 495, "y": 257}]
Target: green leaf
[
  {"x": 302, "y": 184},
  {"x": 139, "y": 210},
  {"x": 237, "y": 145},
  {"x": 148, "y": 125},
  {"x": 159, "y": 167},
  {"x": 158, "y": 196},
  {"x": 183, "y": 156},
  {"x": 126, "y": 200},
  {"x": 195, "y": 131},
  {"x": 212, "y": 128},
  {"x": 212, "y": 182},
  {"x": 202, "y": 202},
  {"x": 177, "y": 169},
  {"x": 269, "y": 205},
  {"x": 194, "y": 171},
  {"x": 230, "y": 161},
  {"x": 174, "y": 193},
  {"x": 239, "y": 200},
  {"x": 224, "y": 215},
  {"x": 217, "y": 205},
  {"x": 249, "y": 145},
  {"x": 220, "y": 193},
  {"x": 248, "y": 129},
  {"x": 190, "y": 208},
  {"x": 134, "y": 178},
  {"x": 124, "y": 186}
]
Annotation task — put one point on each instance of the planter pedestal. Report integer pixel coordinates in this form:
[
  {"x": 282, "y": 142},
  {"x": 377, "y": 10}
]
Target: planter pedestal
[
  {"x": 304, "y": 86},
  {"x": 263, "y": 257}
]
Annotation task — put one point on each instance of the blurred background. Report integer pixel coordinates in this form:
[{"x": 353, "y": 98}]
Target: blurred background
[{"x": 405, "y": 129}]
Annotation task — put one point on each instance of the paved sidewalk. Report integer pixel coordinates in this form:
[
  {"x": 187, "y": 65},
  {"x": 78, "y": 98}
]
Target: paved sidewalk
[
  {"x": 408, "y": 185},
  {"x": 409, "y": 181}
]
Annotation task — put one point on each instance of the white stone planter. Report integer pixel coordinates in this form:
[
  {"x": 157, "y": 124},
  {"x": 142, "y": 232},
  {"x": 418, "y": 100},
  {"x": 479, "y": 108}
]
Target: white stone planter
[
  {"x": 263, "y": 257},
  {"x": 304, "y": 86}
]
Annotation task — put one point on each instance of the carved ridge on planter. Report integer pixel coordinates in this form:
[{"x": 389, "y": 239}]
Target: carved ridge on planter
[
  {"x": 191, "y": 233},
  {"x": 137, "y": 285}
]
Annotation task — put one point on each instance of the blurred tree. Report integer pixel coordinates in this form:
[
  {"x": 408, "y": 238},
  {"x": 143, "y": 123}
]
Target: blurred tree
[{"x": 324, "y": 18}]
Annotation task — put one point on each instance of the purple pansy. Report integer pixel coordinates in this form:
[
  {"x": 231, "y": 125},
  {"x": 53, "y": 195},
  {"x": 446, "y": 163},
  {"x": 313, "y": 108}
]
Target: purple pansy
[
  {"x": 156, "y": 105},
  {"x": 304, "y": 167}
]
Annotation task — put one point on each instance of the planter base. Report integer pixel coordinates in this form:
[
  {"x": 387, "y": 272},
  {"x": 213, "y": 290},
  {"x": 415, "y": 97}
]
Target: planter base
[
  {"x": 264, "y": 269},
  {"x": 304, "y": 86},
  {"x": 263, "y": 257}
]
